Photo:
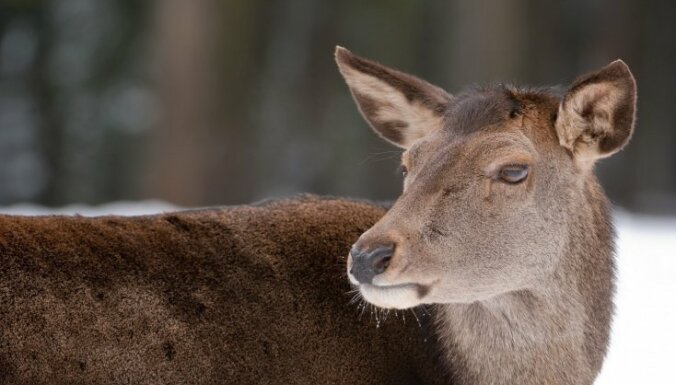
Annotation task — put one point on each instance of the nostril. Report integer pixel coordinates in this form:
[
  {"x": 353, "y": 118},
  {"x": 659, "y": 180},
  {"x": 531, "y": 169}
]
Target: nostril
[
  {"x": 380, "y": 258},
  {"x": 368, "y": 263},
  {"x": 381, "y": 264}
]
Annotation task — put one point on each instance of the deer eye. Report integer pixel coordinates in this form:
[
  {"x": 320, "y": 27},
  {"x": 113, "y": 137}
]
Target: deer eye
[
  {"x": 403, "y": 170},
  {"x": 513, "y": 173}
]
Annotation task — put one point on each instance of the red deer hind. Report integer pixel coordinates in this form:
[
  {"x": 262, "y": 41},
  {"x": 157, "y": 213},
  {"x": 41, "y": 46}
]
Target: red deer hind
[{"x": 502, "y": 224}]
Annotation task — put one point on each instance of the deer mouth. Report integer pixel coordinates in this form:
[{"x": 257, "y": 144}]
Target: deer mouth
[{"x": 401, "y": 296}]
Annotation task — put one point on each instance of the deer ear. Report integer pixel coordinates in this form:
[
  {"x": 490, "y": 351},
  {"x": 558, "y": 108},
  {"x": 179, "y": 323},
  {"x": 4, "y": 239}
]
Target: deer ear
[
  {"x": 399, "y": 107},
  {"x": 596, "y": 116}
]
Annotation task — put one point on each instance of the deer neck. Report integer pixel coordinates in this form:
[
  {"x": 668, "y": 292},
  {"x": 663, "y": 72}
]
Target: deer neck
[{"x": 525, "y": 337}]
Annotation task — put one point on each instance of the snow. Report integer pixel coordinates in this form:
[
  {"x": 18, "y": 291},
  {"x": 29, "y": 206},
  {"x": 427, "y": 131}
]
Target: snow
[
  {"x": 113, "y": 208},
  {"x": 643, "y": 341}
]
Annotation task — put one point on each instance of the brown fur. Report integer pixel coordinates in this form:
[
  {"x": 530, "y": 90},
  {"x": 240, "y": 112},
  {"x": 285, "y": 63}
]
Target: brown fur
[
  {"x": 520, "y": 273},
  {"x": 239, "y": 295}
]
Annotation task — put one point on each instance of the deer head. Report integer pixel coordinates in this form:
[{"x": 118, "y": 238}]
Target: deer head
[{"x": 492, "y": 178}]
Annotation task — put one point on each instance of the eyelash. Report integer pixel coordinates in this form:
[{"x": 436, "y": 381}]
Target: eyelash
[
  {"x": 521, "y": 170},
  {"x": 502, "y": 174}
]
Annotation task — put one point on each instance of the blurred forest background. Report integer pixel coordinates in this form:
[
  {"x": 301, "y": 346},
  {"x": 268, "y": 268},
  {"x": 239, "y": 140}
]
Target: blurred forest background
[{"x": 206, "y": 102}]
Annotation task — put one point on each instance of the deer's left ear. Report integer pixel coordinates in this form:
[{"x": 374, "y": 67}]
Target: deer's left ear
[{"x": 596, "y": 116}]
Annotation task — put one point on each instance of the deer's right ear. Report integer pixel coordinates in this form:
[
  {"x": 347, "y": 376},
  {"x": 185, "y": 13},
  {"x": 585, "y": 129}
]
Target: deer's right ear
[{"x": 399, "y": 107}]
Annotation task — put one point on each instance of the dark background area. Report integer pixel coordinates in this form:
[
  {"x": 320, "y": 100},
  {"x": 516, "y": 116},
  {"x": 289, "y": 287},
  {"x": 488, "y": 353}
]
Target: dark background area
[{"x": 206, "y": 102}]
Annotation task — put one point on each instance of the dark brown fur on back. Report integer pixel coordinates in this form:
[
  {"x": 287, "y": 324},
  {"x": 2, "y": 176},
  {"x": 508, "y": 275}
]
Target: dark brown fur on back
[{"x": 241, "y": 295}]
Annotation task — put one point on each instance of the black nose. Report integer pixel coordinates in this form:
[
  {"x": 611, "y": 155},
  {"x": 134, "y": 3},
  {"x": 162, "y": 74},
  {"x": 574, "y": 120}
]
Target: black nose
[{"x": 366, "y": 264}]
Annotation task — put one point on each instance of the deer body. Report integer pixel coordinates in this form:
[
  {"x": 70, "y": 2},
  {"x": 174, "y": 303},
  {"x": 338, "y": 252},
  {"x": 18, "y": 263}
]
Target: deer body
[{"x": 241, "y": 295}]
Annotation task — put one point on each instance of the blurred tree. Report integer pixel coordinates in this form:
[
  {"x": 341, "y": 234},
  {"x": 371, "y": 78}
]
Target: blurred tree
[
  {"x": 74, "y": 78},
  {"x": 209, "y": 102}
]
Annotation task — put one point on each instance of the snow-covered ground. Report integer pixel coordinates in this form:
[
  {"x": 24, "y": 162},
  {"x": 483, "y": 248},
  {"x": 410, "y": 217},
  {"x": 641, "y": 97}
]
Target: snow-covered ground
[
  {"x": 643, "y": 342},
  {"x": 112, "y": 208},
  {"x": 643, "y": 345}
]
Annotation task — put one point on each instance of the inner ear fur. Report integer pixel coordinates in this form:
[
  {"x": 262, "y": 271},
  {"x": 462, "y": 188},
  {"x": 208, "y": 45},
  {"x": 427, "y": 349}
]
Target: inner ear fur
[
  {"x": 596, "y": 116},
  {"x": 399, "y": 107}
]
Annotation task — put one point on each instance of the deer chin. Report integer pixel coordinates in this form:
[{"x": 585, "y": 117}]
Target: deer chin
[{"x": 402, "y": 296}]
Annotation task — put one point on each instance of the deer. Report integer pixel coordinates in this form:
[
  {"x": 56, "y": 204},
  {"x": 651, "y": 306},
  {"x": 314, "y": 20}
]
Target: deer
[
  {"x": 501, "y": 240},
  {"x": 502, "y": 227}
]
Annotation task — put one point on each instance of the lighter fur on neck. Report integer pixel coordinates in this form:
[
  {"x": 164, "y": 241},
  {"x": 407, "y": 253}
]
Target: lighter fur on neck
[{"x": 519, "y": 337}]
